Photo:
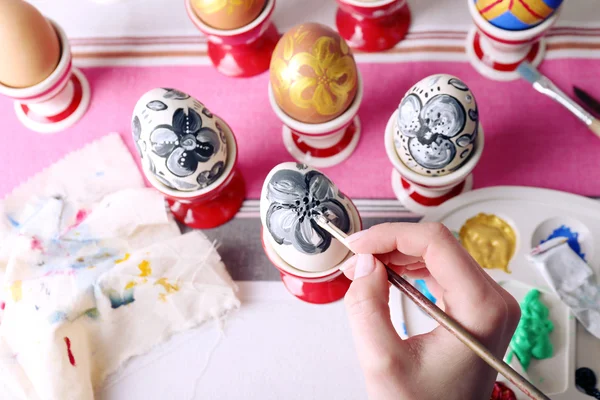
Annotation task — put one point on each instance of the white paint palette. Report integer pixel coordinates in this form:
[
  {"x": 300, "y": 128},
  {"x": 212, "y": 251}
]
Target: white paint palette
[{"x": 533, "y": 214}]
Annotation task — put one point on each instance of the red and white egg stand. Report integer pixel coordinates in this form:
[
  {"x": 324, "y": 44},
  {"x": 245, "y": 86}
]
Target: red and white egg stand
[
  {"x": 214, "y": 205},
  {"x": 326, "y": 144},
  {"x": 313, "y": 287},
  {"x": 496, "y": 53},
  {"x": 59, "y": 101},
  {"x": 420, "y": 193},
  {"x": 241, "y": 52},
  {"x": 372, "y": 26}
]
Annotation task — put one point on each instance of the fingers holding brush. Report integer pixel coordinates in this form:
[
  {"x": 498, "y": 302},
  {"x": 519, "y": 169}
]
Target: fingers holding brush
[{"x": 426, "y": 251}]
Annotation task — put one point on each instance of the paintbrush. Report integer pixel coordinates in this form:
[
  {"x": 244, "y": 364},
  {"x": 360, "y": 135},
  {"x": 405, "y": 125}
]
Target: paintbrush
[
  {"x": 545, "y": 86},
  {"x": 445, "y": 320},
  {"x": 591, "y": 103}
]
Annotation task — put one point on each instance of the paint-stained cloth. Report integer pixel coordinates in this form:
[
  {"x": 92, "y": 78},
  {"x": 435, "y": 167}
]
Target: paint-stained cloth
[{"x": 94, "y": 271}]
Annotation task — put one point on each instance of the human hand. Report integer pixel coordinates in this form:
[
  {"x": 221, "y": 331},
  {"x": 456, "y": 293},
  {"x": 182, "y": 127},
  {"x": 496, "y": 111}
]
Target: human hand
[{"x": 436, "y": 365}]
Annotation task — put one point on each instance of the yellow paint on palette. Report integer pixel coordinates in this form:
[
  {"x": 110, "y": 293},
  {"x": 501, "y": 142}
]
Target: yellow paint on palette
[
  {"x": 162, "y": 297},
  {"x": 145, "y": 268},
  {"x": 16, "y": 291},
  {"x": 130, "y": 284},
  {"x": 490, "y": 240},
  {"x": 125, "y": 258},
  {"x": 167, "y": 286}
]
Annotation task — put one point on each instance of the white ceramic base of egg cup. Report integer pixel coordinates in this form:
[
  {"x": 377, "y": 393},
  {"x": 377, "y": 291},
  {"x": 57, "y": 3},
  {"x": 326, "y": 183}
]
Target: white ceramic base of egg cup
[
  {"x": 322, "y": 145},
  {"x": 57, "y": 102},
  {"x": 320, "y": 287},
  {"x": 496, "y": 53},
  {"x": 419, "y": 193},
  {"x": 214, "y": 205},
  {"x": 244, "y": 51}
]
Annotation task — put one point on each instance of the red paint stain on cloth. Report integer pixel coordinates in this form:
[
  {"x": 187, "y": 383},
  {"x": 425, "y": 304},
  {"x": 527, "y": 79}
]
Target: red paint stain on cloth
[
  {"x": 36, "y": 244},
  {"x": 69, "y": 352}
]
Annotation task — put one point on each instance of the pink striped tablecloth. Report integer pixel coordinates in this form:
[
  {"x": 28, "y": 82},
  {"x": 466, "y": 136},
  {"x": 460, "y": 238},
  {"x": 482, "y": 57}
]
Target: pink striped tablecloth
[{"x": 530, "y": 140}]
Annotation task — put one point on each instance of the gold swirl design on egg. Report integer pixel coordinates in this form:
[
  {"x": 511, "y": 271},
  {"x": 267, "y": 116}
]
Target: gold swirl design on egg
[
  {"x": 214, "y": 6},
  {"x": 490, "y": 240},
  {"x": 333, "y": 75}
]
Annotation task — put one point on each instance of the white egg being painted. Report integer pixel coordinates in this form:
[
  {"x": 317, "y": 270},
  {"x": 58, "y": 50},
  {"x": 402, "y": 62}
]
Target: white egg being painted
[
  {"x": 292, "y": 196},
  {"x": 179, "y": 140},
  {"x": 437, "y": 125}
]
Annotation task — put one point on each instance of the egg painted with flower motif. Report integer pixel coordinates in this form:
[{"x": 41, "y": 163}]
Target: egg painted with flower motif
[
  {"x": 293, "y": 195},
  {"x": 437, "y": 126},
  {"x": 517, "y": 15},
  {"x": 313, "y": 74},
  {"x": 227, "y": 14},
  {"x": 179, "y": 140}
]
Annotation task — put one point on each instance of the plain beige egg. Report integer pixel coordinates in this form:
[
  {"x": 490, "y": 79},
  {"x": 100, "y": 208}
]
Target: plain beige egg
[{"x": 29, "y": 45}]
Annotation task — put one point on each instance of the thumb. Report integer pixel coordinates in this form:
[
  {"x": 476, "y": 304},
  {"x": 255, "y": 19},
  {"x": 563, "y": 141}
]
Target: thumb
[{"x": 375, "y": 337}]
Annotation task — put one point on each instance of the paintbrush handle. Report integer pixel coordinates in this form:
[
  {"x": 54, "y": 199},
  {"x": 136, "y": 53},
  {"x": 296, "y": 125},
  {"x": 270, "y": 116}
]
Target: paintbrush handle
[
  {"x": 464, "y": 336},
  {"x": 545, "y": 86}
]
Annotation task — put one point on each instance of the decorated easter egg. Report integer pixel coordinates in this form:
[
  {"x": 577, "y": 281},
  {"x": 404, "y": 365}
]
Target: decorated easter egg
[
  {"x": 227, "y": 14},
  {"x": 293, "y": 195},
  {"x": 179, "y": 140},
  {"x": 313, "y": 74},
  {"x": 29, "y": 43},
  {"x": 437, "y": 125},
  {"x": 516, "y": 15}
]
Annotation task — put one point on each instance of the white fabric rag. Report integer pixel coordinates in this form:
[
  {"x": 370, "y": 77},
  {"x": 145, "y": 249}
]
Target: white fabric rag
[
  {"x": 571, "y": 279},
  {"x": 93, "y": 271}
]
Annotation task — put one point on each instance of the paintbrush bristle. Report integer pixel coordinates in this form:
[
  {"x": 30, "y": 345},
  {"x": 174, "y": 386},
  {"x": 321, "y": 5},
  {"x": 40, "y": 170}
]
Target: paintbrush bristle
[
  {"x": 528, "y": 72},
  {"x": 595, "y": 127}
]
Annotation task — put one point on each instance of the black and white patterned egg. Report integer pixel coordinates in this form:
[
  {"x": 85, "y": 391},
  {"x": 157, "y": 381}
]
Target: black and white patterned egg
[
  {"x": 179, "y": 140},
  {"x": 437, "y": 126}
]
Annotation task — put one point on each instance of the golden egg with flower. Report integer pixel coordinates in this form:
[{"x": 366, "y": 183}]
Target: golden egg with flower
[
  {"x": 227, "y": 14},
  {"x": 313, "y": 74}
]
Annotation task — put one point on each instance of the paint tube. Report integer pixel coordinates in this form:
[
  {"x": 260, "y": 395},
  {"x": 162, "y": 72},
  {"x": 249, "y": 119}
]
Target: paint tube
[{"x": 571, "y": 279}]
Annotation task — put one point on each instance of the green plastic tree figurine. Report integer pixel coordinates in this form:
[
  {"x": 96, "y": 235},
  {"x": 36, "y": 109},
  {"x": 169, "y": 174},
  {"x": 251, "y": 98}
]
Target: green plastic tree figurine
[{"x": 532, "y": 337}]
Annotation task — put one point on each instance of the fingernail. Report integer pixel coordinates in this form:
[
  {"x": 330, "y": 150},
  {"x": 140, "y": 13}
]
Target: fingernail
[
  {"x": 355, "y": 236},
  {"x": 365, "y": 264},
  {"x": 349, "y": 263}
]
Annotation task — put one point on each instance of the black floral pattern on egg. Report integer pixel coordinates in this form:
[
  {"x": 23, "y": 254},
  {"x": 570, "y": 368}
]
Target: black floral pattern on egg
[
  {"x": 295, "y": 200},
  {"x": 185, "y": 143},
  {"x": 156, "y": 105},
  {"x": 435, "y": 155},
  {"x": 136, "y": 130}
]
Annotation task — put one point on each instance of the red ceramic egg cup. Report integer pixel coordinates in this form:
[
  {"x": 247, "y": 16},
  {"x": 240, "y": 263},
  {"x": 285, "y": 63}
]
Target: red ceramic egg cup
[
  {"x": 214, "y": 205},
  {"x": 59, "y": 101},
  {"x": 322, "y": 145},
  {"x": 312, "y": 287},
  {"x": 419, "y": 193},
  {"x": 496, "y": 53},
  {"x": 241, "y": 52},
  {"x": 372, "y": 26}
]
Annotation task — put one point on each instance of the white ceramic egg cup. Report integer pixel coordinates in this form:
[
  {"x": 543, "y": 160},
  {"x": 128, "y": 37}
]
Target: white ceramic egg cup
[
  {"x": 533, "y": 214},
  {"x": 319, "y": 287},
  {"x": 496, "y": 53},
  {"x": 322, "y": 145},
  {"x": 57, "y": 102},
  {"x": 419, "y": 193}
]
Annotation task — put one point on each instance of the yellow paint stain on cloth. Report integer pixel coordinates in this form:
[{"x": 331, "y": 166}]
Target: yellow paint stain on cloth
[
  {"x": 125, "y": 258},
  {"x": 16, "y": 291}
]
